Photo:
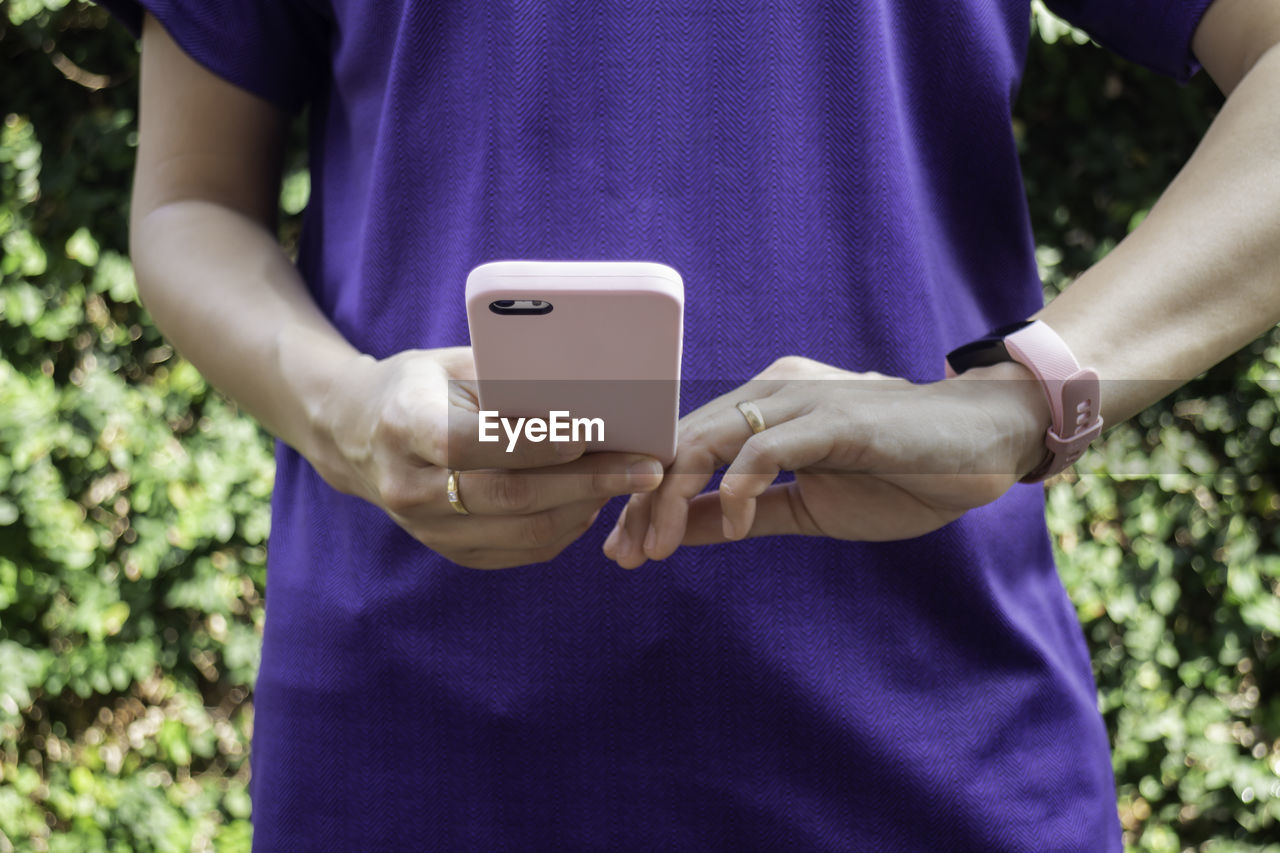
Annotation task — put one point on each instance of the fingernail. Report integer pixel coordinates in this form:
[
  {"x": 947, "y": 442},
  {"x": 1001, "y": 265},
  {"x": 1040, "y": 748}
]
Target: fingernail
[
  {"x": 610, "y": 542},
  {"x": 727, "y": 526},
  {"x": 650, "y": 540},
  {"x": 644, "y": 474}
]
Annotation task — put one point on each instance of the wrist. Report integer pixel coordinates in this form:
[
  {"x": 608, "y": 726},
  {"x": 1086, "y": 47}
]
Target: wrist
[
  {"x": 313, "y": 366},
  {"x": 1019, "y": 406}
]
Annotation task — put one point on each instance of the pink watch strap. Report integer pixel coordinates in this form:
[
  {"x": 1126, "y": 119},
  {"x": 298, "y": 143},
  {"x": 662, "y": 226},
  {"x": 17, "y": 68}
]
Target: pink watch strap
[{"x": 1073, "y": 394}]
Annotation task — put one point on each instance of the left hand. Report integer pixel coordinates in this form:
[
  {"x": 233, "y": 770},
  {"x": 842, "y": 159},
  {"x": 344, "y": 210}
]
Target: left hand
[{"x": 877, "y": 459}]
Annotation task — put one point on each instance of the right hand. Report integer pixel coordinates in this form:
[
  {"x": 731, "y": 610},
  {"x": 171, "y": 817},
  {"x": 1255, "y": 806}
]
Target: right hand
[{"x": 391, "y": 430}]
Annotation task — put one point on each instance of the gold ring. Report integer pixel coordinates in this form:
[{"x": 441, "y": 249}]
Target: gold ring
[
  {"x": 451, "y": 489},
  {"x": 751, "y": 412}
]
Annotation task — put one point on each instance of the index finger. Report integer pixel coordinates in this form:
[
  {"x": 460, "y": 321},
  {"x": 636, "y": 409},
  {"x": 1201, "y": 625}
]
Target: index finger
[
  {"x": 596, "y": 476},
  {"x": 714, "y": 436}
]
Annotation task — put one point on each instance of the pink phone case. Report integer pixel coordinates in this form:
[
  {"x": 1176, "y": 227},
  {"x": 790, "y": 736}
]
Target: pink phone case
[{"x": 608, "y": 347}]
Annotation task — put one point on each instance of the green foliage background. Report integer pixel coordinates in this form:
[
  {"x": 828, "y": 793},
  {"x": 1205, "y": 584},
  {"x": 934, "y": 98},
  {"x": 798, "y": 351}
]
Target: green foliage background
[{"x": 134, "y": 514}]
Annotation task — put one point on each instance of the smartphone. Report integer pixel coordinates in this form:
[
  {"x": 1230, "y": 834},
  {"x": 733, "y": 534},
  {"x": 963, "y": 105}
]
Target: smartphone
[{"x": 590, "y": 348}]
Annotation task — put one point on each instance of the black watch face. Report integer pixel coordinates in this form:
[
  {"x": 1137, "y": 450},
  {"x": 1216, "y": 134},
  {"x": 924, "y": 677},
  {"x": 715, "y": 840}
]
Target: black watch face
[
  {"x": 1006, "y": 331},
  {"x": 986, "y": 350}
]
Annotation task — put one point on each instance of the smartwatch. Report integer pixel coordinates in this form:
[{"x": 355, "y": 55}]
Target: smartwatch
[{"x": 1072, "y": 390}]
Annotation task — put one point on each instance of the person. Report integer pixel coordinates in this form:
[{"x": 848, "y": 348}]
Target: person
[{"x": 873, "y": 654}]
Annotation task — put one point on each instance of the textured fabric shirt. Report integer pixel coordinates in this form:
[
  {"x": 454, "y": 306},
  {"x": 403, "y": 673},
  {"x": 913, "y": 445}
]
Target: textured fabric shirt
[{"x": 849, "y": 165}]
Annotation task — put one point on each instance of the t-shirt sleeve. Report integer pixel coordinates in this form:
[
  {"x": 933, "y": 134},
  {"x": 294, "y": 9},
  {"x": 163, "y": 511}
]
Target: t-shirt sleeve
[
  {"x": 1153, "y": 33},
  {"x": 275, "y": 49}
]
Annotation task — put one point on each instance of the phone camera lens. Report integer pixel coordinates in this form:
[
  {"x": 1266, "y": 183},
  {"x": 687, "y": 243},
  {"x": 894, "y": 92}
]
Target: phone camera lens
[{"x": 505, "y": 303}]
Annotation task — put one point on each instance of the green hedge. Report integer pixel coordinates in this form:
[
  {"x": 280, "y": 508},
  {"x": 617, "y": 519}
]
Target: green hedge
[
  {"x": 1175, "y": 577},
  {"x": 134, "y": 514}
]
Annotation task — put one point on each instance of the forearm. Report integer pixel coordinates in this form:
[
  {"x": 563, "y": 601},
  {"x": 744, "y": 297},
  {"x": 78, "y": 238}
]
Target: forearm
[
  {"x": 223, "y": 292},
  {"x": 1200, "y": 277}
]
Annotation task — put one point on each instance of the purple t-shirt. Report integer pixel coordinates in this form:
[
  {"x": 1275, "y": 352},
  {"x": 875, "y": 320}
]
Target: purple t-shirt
[{"x": 848, "y": 165}]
